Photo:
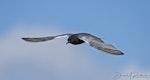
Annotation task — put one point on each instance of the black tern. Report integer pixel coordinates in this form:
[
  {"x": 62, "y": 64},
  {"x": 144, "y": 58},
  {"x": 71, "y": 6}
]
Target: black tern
[{"x": 80, "y": 38}]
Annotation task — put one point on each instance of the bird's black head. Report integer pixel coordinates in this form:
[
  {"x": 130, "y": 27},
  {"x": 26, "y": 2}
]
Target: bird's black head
[{"x": 73, "y": 39}]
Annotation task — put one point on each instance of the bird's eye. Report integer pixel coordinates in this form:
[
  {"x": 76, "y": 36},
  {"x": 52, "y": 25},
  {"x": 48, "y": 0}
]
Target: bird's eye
[{"x": 69, "y": 39}]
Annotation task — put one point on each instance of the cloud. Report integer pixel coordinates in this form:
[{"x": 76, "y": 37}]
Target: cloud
[{"x": 51, "y": 60}]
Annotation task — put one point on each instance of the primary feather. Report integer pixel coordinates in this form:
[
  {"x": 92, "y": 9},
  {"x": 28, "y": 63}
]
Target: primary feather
[
  {"x": 41, "y": 39},
  {"x": 99, "y": 44}
]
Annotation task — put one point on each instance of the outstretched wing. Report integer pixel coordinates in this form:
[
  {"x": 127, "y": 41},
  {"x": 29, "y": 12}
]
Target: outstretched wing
[
  {"x": 41, "y": 39},
  {"x": 99, "y": 44}
]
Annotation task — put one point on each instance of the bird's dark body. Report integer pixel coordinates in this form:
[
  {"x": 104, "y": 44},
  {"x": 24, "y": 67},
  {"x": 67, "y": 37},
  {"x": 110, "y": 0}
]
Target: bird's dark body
[{"x": 73, "y": 39}]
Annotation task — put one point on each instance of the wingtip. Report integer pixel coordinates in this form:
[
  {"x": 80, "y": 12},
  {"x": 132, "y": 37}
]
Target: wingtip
[
  {"x": 24, "y": 39},
  {"x": 119, "y": 53}
]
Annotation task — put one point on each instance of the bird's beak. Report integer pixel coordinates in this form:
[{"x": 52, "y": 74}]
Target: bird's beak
[{"x": 67, "y": 42}]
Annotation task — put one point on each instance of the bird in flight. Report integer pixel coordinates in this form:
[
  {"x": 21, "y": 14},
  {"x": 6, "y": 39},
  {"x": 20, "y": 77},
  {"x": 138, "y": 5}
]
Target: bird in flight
[{"x": 80, "y": 38}]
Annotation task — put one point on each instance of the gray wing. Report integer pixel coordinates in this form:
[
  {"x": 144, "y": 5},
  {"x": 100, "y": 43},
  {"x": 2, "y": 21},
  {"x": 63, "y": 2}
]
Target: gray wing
[
  {"x": 99, "y": 44},
  {"x": 41, "y": 39}
]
